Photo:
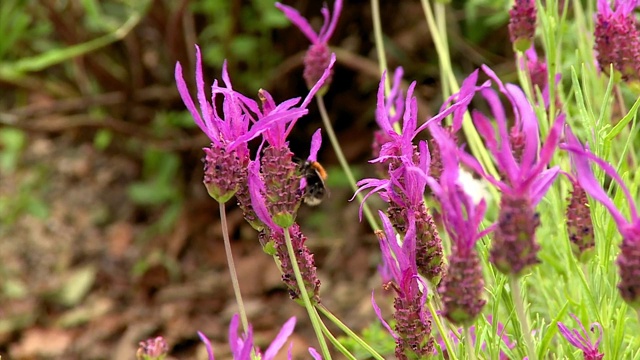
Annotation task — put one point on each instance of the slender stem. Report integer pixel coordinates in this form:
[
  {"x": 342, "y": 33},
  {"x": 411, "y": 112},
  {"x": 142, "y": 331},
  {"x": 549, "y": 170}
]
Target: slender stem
[
  {"x": 522, "y": 317},
  {"x": 232, "y": 268},
  {"x": 313, "y": 316},
  {"x": 335, "y": 341},
  {"x": 445, "y": 66},
  {"x": 377, "y": 35},
  {"x": 348, "y": 331},
  {"x": 443, "y": 331},
  {"x": 468, "y": 344},
  {"x": 343, "y": 162}
]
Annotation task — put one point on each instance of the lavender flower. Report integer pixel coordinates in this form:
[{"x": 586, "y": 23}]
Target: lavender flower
[
  {"x": 152, "y": 349},
  {"x": 278, "y": 171},
  {"x": 227, "y": 158},
  {"x": 522, "y": 24},
  {"x": 404, "y": 190},
  {"x": 629, "y": 258},
  {"x": 413, "y": 322},
  {"x": 579, "y": 224},
  {"x": 394, "y": 108},
  {"x": 523, "y": 165},
  {"x": 617, "y": 39},
  {"x": 241, "y": 347},
  {"x": 318, "y": 56},
  {"x": 581, "y": 340},
  {"x": 463, "y": 287}
]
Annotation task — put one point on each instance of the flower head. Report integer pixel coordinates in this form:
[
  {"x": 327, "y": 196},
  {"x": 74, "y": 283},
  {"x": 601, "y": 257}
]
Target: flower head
[
  {"x": 617, "y": 39},
  {"x": 230, "y": 131},
  {"x": 317, "y": 57},
  {"x": 629, "y": 258},
  {"x": 523, "y": 163},
  {"x": 242, "y": 346},
  {"x": 581, "y": 340},
  {"x": 413, "y": 322},
  {"x": 522, "y": 23},
  {"x": 152, "y": 349}
]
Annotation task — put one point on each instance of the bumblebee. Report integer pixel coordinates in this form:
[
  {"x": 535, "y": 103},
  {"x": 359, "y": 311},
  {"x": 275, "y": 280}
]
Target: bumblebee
[{"x": 315, "y": 175}]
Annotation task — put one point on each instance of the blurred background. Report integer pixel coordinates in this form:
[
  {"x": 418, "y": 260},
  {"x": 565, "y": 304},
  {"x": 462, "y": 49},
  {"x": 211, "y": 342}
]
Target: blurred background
[{"x": 107, "y": 234}]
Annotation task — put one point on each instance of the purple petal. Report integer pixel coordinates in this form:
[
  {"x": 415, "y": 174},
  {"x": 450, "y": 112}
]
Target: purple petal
[
  {"x": 540, "y": 186},
  {"x": 315, "y": 354},
  {"x": 529, "y": 127},
  {"x": 233, "y": 334},
  {"x": 299, "y": 21},
  {"x": 256, "y": 189},
  {"x": 188, "y": 102},
  {"x": 580, "y": 159},
  {"x": 376, "y": 309},
  {"x": 207, "y": 345},
  {"x": 281, "y": 339},
  {"x": 337, "y": 9},
  {"x": 316, "y": 142},
  {"x": 207, "y": 111}
]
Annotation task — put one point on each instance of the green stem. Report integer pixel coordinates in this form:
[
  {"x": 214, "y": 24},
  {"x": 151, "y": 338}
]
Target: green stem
[
  {"x": 232, "y": 268},
  {"x": 335, "y": 341},
  {"x": 348, "y": 331},
  {"x": 313, "y": 316},
  {"x": 377, "y": 35},
  {"x": 522, "y": 317},
  {"x": 343, "y": 162},
  {"x": 468, "y": 344},
  {"x": 443, "y": 331}
]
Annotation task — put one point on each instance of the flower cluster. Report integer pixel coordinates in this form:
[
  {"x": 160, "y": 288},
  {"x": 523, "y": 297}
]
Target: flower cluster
[
  {"x": 463, "y": 287},
  {"x": 581, "y": 340},
  {"x": 522, "y": 161}
]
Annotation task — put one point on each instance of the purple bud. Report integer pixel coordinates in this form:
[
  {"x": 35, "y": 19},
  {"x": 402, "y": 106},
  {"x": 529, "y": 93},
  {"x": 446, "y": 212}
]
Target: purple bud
[
  {"x": 579, "y": 224},
  {"x": 462, "y": 289},
  {"x": 152, "y": 349}
]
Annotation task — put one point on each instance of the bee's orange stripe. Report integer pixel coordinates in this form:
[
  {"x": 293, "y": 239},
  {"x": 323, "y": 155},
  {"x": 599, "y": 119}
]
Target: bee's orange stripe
[{"x": 321, "y": 171}]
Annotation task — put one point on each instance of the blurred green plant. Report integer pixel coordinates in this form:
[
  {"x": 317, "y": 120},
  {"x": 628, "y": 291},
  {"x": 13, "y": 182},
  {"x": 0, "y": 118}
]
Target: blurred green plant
[
  {"x": 376, "y": 336},
  {"x": 242, "y": 35}
]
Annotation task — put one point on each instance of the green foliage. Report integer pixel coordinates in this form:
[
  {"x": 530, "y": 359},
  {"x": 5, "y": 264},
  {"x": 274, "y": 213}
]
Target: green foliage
[
  {"x": 376, "y": 336},
  {"x": 12, "y": 142},
  {"x": 242, "y": 35}
]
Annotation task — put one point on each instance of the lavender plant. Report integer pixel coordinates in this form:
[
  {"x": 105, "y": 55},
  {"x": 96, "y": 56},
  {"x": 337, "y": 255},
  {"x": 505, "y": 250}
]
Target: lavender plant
[{"x": 503, "y": 260}]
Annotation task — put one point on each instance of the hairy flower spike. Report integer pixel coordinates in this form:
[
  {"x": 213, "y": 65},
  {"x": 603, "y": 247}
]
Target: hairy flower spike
[
  {"x": 579, "y": 224},
  {"x": 628, "y": 260},
  {"x": 514, "y": 247},
  {"x": 317, "y": 58},
  {"x": 282, "y": 184},
  {"x": 617, "y": 39},
  {"x": 306, "y": 263},
  {"x": 413, "y": 322},
  {"x": 522, "y": 24},
  {"x": 581, "y": 339}
]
